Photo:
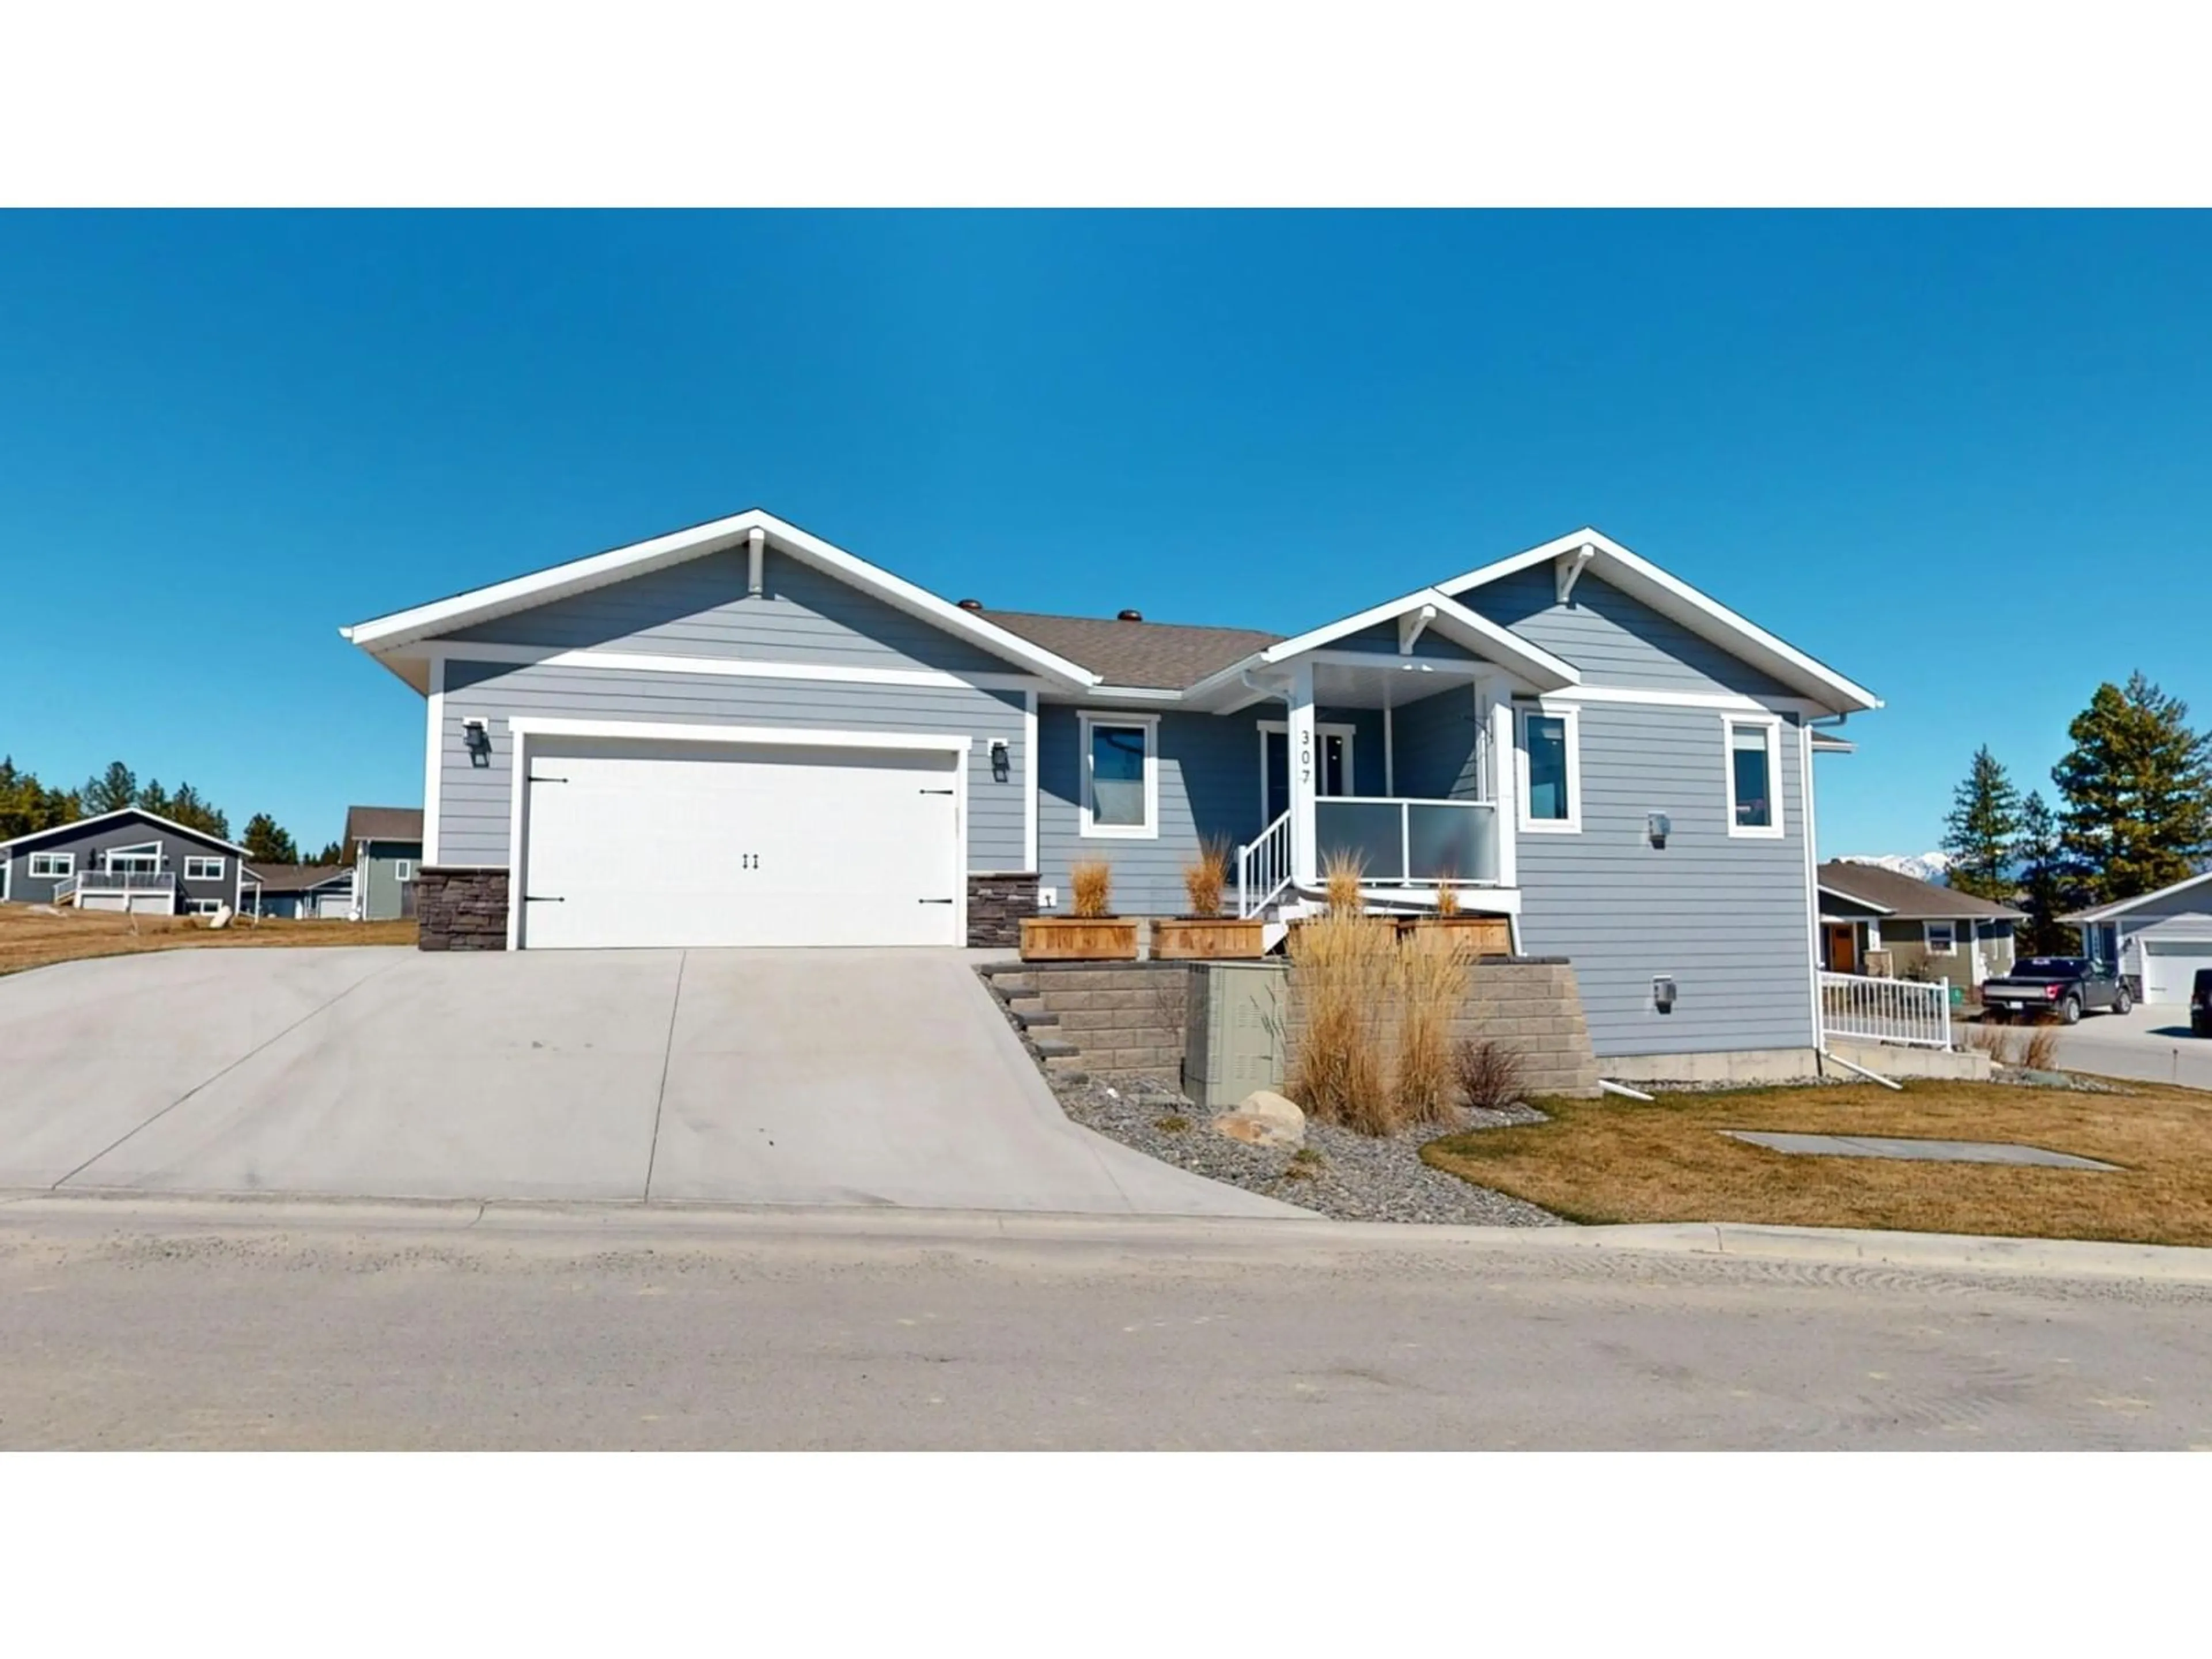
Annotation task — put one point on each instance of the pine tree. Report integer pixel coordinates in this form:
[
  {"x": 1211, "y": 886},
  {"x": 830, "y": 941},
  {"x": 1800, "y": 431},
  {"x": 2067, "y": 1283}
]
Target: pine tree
[
  {"x": 187, "y": 808},
  {"x": 2137, "y": 787},
  {"x": 2043, "y": 888},
  {"x": 110, "y": 791},
  {"x": 155, "y": 799},
  {"x": 27, "y": 804},
  {"x": 331, "y": 854},
  {"x": 268, "y": 841},
  {"x": 1983, "y": 824}
]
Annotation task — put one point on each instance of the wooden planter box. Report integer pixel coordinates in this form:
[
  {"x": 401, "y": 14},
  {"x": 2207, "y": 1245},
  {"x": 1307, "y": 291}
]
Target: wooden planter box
[
  {"x": 1490, "y": 936},
  {"x": 1203, "y": 939},
  {"x": 1079, "y": 938}
]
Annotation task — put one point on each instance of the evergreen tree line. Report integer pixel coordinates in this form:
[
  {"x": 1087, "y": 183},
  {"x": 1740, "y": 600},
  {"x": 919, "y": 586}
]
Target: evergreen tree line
[
  {"x": 27, "y": 805},
  {"x": 2134, "y": 814}
]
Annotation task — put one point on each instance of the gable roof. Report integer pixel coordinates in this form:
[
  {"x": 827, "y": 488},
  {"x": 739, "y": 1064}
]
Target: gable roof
[
  {"x": 296, "y": 877},
  {"x": 1156, "y": 656},
  {"x": 1906, "y": 897},
  {"x": 75, "y": 824},
  {"x": 383, "y": 824},
  {"x": 2122, "y": 907},
  {"x": 1455, "y": 622},
  {"x": 1701, "y": 614},
  {"x": 393, "y": 633}
]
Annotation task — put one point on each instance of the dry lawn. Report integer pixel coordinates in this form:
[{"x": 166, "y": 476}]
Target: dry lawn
[
  {"x": 1621, "y": 1161},
  {"x": 29, "y": 939}
]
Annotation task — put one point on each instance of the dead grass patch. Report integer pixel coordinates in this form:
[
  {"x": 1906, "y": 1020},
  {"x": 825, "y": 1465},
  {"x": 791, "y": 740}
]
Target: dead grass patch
[
  {"x": 1607, "y": 1161},
  {"x": 30, "y": 939}
]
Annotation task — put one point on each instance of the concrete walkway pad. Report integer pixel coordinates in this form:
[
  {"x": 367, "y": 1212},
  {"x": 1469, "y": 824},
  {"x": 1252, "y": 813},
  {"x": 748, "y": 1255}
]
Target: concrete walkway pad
[{"x": 1936, "y": 1151}]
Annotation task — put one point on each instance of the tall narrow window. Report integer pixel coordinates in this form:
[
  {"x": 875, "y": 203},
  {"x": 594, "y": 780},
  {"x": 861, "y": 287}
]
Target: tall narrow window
[
  {"x": 1551, "y": 770},
  {"x": 1120, "y": 790},
  {"x": 1754, "y": 776}
]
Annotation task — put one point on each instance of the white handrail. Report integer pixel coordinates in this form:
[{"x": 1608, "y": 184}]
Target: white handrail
[
  {"x": 1263, "y": 868},
  {"x": 1900, "y": 1010}
]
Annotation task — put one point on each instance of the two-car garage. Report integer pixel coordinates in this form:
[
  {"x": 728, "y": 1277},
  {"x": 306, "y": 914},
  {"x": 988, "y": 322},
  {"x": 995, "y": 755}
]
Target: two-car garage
[
  {"x": 707, "y": 836},
  {"x": 2170, "y": 967}
]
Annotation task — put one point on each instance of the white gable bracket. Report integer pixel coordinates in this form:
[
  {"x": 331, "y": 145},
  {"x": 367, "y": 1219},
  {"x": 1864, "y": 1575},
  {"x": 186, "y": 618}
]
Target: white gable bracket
[
  {"x": 1569, "y": 565},
  {"x": 1410, "y": 626}
]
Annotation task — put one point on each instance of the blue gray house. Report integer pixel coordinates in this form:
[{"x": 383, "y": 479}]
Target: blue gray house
[
  {"x": 384, "y": 847},
  {"x": 2160, "y": 940},
  {"x": 300, "y": 892},
  {"x": 130, "y": 860},
  {"x": 741, "y": 734}
]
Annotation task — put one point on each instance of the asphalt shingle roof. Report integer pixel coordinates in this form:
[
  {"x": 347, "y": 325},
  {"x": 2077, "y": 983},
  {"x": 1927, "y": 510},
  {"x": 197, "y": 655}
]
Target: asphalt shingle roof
[
  {"x": 294, "y": 878},
  {"x": 1907, "y": 898},
  {"x": 1161, "y": 656},
  {"x": 383, "y": 824}
]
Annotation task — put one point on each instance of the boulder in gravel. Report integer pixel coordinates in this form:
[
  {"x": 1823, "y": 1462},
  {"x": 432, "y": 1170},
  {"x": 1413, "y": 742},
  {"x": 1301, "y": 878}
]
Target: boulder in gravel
[
  {"x": 1266, "y": 1102},
  {"x": 1256, "y": 1130}
]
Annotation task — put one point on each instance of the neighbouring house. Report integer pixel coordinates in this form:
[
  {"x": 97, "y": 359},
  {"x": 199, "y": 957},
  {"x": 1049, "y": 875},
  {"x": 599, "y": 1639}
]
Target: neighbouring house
[
  {"x": 128, "y": 859},
  {"x": 300, "y": 891},
  {"x": 384, "y": 845},
  {"x": 741, "y": 734},
  {"x": 2158, "y": 940},
  {"x": 1910, "y": 928}
]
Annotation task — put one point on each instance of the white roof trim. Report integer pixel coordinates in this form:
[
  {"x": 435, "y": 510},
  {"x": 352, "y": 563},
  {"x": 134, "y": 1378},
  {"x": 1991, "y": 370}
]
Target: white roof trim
[
  {"x": 405, "y": 628},
  {"x": 2122, "y": 907},
  {"x": 1706, "y": 617},
  {"x": 1452, "y": 620},
  {"x": 1853, "y": 898},
  {"x": 129, "y": 811}
]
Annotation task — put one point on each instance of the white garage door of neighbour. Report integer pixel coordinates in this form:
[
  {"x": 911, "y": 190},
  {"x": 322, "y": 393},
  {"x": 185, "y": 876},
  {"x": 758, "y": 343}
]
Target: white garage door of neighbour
[
  {"x": 644, "y": 843},
  {"x": 330, "y": 905},
  {"x": 2170, "y": 968}
]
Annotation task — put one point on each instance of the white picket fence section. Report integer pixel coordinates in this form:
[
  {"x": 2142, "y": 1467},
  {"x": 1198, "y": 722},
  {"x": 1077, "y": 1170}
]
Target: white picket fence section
[{"x": 1900, "y": 1010}]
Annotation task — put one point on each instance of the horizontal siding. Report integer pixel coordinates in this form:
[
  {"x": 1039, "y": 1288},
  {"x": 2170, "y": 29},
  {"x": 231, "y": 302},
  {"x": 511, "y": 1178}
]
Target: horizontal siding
[
  {"x": 1613, "y": 639},
  {"x": 1382, "y": 639},
  {"x": 700, "y": 609},
  {"x": 1724, "y": 915},
  {"x": 1209, "y": 786},
  {"x": 474, "y": 802},
  {"x": 1437, "y": 756}
]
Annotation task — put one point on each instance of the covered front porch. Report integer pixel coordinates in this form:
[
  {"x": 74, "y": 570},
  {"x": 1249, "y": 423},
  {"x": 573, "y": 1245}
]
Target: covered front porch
[{"x": 1442, "y": 680}]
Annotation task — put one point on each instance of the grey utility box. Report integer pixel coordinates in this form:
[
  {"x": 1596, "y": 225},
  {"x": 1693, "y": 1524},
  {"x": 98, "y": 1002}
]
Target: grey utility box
[{"x": 1233, "y": 1041}]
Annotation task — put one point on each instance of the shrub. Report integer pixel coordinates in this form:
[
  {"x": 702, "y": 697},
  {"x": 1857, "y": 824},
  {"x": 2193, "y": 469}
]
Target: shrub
[
  {"x": 1340, "y": 882},
  {"x": 1091, "y": 881},
  {"x": 1491, "y": 1075},
  {"x": 1430, "y": 985},
  {"x": 2041, "y": 1053},
  {"x": 1206, "y": 876},
  {"x": 1345, "y": 965}
]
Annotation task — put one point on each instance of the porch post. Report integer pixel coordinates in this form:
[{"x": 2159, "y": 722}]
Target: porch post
[
  {"x": 1305, "y": 858},
  {"x": 1505, "y": 789}
]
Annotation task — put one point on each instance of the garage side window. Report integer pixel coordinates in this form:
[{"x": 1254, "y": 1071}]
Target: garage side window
[{"x": 1121, "y": 781}]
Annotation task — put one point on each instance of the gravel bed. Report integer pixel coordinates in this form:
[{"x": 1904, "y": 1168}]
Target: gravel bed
[{"x": 1358, "y": 1178}]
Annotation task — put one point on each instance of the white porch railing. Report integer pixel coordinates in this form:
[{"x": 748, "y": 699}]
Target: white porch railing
[
  {"x": 1900, "y": 1010},
  {"x": 1263, "y": 868},
  {"x": 115, "y": 881}
]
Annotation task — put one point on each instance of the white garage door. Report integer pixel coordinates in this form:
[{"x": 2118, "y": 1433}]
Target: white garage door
[
  {"x": 2170, "y": 968},
  {"x": 644, "y": 842},
  {"x": 333, "y": 907}
]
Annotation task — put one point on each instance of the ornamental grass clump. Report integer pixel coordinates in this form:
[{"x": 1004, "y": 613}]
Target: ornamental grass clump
[
  {"x": 1340, "y": 883},
  {"x": 1343, "y": 966},
  {"x": 1429, "y": 986},
  {"x": 1091, "y": 882},
  {"x": 1206, "y": 877}
]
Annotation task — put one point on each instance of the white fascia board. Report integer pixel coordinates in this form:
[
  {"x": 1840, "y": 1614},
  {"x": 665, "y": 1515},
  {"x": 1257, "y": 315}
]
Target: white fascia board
[
  {"x": 1853, "y": 898},
  {"x": 654, "y": 662},
  {"x": 789, "y": 736},
  {"x": 1703, "y": 615},
  {"x": 129, "y": 812},
  {"x": 2120, "y": 907},
  {"x": 387, "y": 633}
]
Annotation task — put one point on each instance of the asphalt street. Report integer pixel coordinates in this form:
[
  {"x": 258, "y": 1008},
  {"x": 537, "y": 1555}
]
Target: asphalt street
[{"x": 126, "y": 1324}]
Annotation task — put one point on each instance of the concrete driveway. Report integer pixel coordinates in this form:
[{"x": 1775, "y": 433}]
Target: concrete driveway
[
  {"x": 811, "y": 1077},
  {"x": 2151, "y": 1041}
]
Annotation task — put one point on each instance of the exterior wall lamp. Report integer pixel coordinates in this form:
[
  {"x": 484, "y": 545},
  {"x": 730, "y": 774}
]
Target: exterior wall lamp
[
  {"x": 1002, "y": 761},
  {"x": 476, "y": 734}
]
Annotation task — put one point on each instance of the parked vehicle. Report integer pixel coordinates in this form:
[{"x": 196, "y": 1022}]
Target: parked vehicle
[
  {"x": 2067, "y": 986},
  {"x": 2199, "y": 1003}
]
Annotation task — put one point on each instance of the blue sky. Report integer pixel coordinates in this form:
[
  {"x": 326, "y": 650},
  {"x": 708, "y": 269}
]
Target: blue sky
[{"x": 1960, "y": 457}]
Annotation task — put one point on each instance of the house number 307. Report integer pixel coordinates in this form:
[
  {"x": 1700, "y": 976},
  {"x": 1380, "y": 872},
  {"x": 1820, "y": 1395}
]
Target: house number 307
[{"x": 1305, "y": 756}]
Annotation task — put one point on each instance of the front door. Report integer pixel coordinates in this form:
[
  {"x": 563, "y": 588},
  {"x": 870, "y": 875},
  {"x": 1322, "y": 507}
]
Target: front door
[
  {"x": 1843, "y": 948},
  {"x": 1334, "y": 777}
]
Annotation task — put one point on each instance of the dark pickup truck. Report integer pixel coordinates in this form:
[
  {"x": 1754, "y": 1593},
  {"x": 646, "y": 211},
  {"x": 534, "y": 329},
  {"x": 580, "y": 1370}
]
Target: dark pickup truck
[{"x": 2067, "y": 986}]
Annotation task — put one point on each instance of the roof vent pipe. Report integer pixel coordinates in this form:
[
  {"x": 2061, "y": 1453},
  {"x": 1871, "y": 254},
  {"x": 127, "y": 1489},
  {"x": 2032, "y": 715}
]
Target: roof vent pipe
[
  {"x": 971, "y": 604},
  {"x": 1129, "y": 616}
]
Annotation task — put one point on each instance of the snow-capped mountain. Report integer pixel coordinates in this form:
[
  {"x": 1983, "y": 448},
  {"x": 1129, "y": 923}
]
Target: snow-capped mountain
[{"x": 1921, "y": 867}]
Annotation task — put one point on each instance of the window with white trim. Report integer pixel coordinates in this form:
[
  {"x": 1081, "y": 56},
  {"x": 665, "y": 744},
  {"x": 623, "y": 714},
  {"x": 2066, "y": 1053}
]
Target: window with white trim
[
  {"x": 1942, "y": 937},
  {"x": 403, "y": 869},
  {"x": 1121, "y": 776},
  {"x": 203, "y": 869},
  {"x": 1551, "y": 770},
  {"x": 48, "y": 865},
  {"x": 1754, "y": 776},
  {"x": 202, "y": 907}
]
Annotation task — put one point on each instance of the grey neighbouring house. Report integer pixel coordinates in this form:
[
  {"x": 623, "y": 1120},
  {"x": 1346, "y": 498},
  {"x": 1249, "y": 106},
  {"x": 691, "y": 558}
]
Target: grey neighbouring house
[
  {"x": 1911, "y": 928},
  {"x": 384, "y": 845},
  {"x": 293, "y": 892},
  {"x": 2158, "y": 940},
  {"x": 128, "y": 859},
  {"x": 740, "y": 734}
]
